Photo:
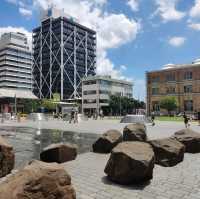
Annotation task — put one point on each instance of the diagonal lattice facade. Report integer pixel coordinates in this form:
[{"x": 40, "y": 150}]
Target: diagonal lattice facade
[{"x": 64, "y": 52}]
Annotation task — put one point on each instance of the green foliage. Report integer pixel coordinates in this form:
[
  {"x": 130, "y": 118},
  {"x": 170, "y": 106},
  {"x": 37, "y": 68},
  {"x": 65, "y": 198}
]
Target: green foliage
[
  {"x": 48, "y": 104},
  {"x": 30, "y": 105},
  {"x": 56, "y": 97},
  {"x": 123, "y": 105},
  {"x": 169, "y": 103}
]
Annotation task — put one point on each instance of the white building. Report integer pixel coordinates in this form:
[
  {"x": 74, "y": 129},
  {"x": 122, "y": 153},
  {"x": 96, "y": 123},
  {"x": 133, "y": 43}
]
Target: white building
[
  {"x": 15, "y": 69},
  {"x": 96, "y": 92}
]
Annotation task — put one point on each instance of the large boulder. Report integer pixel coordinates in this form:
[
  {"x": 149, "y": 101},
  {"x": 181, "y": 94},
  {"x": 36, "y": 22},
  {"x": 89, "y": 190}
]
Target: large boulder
[
  {"x": 107, "y": 141},
  {"x": 190, "y": 139},
  {"x": 38, "y": 180},
  {"x": 168, "y": 152},
  {"x": 130, "y": 162},
  {"x": 59, "y": 153},
  {"x": 135, "y": 132},
  {"x": 7, "y": 158}
]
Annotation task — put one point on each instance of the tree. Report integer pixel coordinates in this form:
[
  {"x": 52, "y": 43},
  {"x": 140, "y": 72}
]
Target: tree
[
  {"x": 49, "y": 104},
  {"x": 169, "y": 104},
  {"x": 123, "y": 105},
  {"x": 30, "y": 105}
]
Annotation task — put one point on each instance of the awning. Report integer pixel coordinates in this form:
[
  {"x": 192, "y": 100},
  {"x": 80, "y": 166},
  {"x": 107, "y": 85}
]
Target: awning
[{"x": 19, "y": 93}]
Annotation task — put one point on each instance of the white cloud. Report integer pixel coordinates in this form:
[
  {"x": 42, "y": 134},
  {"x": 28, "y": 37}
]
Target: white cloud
[
  {"x": 195, "y": 10},
  {"x": 113, "y": 30},
  {"x": 194, "y": 26},
  {"x": 167, "y": 10},
  {"x": 17, "y": 29},
  {"x": 134, "y": 5},
  {"x": 177, "y": 41},
  {"x": 123, "y": 67},
  {"x": 25, "y": 12}
]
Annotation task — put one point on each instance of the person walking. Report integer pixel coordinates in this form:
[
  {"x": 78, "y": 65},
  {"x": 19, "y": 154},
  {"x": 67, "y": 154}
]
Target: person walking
[
  {"x": 186, "y": 120},
  {"x": 71, "y": 116},
  {"x": 101, "y": 114},
  {"x": 153, "y": 118},
  {"x": 76, "y": 117}
]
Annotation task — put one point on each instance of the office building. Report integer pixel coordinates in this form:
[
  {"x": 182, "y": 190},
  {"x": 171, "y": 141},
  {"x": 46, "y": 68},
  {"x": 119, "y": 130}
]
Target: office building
[
  {"x": 181, "y": 81},
  {"x": 15, "y": 69},
  {"x": 64, "y": 53},
  {"x": 96, "y": 92}
]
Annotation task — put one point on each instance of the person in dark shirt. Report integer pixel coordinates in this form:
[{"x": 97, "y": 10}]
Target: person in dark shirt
[
  {"x": 71, "y": 116},
  {"x": 186, "y": 120},
  {"x": 153, "y": 118}
]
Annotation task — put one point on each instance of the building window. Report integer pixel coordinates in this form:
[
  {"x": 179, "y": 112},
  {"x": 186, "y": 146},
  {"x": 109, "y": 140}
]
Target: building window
[
  {"x": 188, "y": 105},
  {"x": 155, "y": 79},
  {"x": 188, "y": 89},
  {"x": 105, "y": 83},
  {"x": 170, "y": 77},
  {"x": 89, "y": 101},
  {"x": 103, "y": 101},
  {"x": 171, "y": 90},
  {"x": 92, "y": 92},
  {"x": 106, "y": 92},
  {"x": 89, "y": 82},
  {"x": 155, "y": 91},
  {"x": 155, "y": 106},
  {"x": 188, "y": 75}
]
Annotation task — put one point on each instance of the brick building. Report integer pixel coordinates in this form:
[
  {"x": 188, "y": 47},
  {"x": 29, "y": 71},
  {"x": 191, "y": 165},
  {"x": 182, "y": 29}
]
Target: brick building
[{"x": 181, "y": 81}]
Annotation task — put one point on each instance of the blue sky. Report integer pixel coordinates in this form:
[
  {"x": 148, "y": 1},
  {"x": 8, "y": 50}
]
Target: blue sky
[{"x": 134, "y": 36}]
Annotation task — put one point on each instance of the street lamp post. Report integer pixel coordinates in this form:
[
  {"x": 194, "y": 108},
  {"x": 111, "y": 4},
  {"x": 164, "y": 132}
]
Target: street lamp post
[{"x": 15, "y": 104}]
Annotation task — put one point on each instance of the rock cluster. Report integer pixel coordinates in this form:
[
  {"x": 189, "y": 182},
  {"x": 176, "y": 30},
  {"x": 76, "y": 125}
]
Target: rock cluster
[
  {"x": 38, "y": 180},
  {"x": 132, "y": 159}
]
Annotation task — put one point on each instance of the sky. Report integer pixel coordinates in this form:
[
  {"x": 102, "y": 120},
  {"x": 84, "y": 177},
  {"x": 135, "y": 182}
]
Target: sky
[{"x": 133, "y": 36}]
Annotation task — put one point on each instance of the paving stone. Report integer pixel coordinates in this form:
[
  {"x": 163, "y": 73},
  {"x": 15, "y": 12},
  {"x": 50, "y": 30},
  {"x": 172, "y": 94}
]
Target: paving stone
[{"x": 181, "y": 181}]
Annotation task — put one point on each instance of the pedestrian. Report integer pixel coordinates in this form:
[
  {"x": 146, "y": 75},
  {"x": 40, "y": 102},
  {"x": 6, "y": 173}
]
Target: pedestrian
[
  {"x": 186, "y": 120},
  {"x": 198, "y": 117},
  {"x": 101, "y": 114},
  {"x": 76, "y": 117},
  {"x": 153, "y": 118},
  {"x": 71, "y": 116}
]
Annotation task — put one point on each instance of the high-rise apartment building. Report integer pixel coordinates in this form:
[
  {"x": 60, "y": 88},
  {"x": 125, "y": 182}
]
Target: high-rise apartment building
[
  {"x": 180, "y": 81},
  {"x": 64, "y": 53}
]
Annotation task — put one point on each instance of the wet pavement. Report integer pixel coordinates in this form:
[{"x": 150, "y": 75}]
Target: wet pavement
[{"x": 29, "y": 142}]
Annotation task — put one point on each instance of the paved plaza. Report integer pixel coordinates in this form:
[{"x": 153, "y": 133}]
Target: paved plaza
[
  {"x": 87, "y": 171},
  {"x": 181, "y": 181},
  {"x": 161, "y": 129}
]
